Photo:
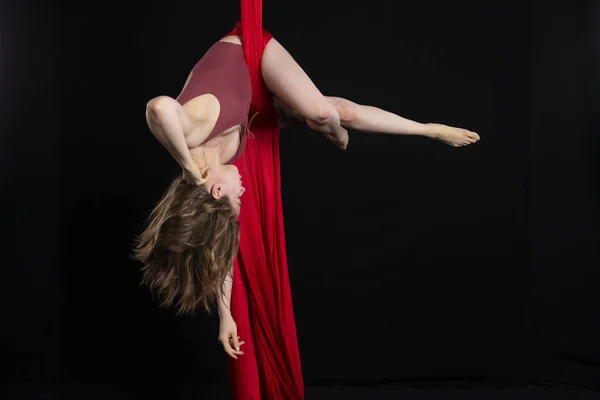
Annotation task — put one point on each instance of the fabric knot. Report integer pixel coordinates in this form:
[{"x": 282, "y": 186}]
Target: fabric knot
[
  {"x": 246, "y": 126},
  {"x": 246, "y": 131}
]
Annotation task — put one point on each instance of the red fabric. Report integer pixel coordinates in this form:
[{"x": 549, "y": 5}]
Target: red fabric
[{"x": 261, "y": 301}]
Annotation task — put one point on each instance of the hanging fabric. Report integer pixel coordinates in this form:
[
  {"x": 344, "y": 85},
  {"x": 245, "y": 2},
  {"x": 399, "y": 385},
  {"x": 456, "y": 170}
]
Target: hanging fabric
[{"x": 261, "y": 301}]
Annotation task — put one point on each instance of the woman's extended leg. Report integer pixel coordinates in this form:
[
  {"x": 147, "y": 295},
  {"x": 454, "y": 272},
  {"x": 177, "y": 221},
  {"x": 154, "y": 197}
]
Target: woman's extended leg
[
  {"x": 372, "y": 119},
  {"x": 288, "y": 81}
]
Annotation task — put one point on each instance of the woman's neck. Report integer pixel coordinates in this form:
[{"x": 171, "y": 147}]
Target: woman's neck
[{"x": 206, "y": 157}]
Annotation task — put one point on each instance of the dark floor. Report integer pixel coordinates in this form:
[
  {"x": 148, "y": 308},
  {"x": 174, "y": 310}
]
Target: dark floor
[{"x": 192, "y": 392}]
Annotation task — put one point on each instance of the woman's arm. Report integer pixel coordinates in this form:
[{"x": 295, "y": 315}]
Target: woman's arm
[
  {"x": 224, "y": 305},
  {"x": 169, "y": 123},
  {"x": 227, "y": 327},
  {"x": 164, "y": 116}
]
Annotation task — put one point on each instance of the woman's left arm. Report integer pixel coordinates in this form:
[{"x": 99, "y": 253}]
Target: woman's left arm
[{"x": 227, "y": 327}]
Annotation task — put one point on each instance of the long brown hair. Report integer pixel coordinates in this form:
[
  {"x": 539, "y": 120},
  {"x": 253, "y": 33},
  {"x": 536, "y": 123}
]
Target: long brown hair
[{"x": 188, "y": 248}]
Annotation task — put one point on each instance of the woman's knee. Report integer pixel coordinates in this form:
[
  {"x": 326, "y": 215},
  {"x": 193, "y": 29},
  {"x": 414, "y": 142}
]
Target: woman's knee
[
  {"x": 345, "y": 108},
  {"x": 323, "y": 113}
]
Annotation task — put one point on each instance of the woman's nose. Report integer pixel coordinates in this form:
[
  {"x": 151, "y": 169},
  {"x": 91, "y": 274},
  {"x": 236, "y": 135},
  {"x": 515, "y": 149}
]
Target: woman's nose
[{"x": 243, "y": 190}]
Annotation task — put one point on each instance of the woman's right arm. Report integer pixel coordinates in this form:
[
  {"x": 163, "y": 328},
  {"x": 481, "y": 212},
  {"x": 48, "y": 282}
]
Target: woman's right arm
[{"x": 168, "y": 121}]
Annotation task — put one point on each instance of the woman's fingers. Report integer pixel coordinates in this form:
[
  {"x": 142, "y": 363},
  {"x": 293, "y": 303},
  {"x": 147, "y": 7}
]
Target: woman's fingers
[
  {"x": 239, "y": 352},
  {"x": 229, "y": 350},
  {"x": 235, "y": 341},
  {"x": 232, "y": 347},
  {"x": 227, "y": 347}
]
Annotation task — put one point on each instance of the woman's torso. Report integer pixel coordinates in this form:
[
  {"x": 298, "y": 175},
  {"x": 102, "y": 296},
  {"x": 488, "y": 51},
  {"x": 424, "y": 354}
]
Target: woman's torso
[{"x": 218, "y": 93}]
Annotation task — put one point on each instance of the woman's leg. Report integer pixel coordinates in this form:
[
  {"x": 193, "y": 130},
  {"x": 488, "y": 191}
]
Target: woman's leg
[
  {"x": 298, "y": 97},
  {"x": 286, "y": 80},
  {"x": 372, "y": 119}
]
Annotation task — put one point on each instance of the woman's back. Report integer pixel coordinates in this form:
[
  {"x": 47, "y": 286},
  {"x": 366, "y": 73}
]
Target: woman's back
[{"x": 223, "y": 73}]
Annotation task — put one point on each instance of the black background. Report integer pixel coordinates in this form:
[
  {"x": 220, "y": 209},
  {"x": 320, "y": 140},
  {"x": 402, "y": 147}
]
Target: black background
[{"x": 411, "y": 261}]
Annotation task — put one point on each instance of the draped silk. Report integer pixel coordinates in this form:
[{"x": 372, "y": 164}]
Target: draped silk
[{"x": 261, "y": 301}]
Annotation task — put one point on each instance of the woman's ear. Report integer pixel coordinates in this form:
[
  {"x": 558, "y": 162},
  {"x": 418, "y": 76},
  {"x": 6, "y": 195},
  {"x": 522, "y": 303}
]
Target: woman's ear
[{"x": 217, "y": 191}]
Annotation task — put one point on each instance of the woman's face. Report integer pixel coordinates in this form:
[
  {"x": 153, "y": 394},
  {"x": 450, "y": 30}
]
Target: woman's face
[{"x": 227, "y": 181}]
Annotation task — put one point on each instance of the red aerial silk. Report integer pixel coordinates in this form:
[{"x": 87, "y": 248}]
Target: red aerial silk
[{"x": 261, "y": 302}]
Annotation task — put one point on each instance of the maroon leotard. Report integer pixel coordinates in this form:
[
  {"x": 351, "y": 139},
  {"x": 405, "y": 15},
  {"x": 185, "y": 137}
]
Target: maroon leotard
[{"x": 223, "y": 72}]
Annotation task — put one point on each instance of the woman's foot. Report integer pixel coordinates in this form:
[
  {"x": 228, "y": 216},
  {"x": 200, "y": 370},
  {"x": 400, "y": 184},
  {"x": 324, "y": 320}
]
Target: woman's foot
[{"x": 455, "y": 137}]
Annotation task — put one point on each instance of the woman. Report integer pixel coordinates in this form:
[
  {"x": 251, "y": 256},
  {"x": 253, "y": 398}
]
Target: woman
[{"x": 190, "y": 244}]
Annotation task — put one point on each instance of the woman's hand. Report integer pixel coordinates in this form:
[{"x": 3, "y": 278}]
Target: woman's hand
[
  {"x": 228, "y": 336},
  {"x": 193, "y": 175}
]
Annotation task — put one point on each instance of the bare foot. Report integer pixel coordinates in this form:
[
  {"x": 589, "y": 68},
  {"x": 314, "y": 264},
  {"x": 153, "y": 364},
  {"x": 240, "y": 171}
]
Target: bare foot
[
  {"x": 455, "y": 137},
  {"x": 339, "y": 137}
]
